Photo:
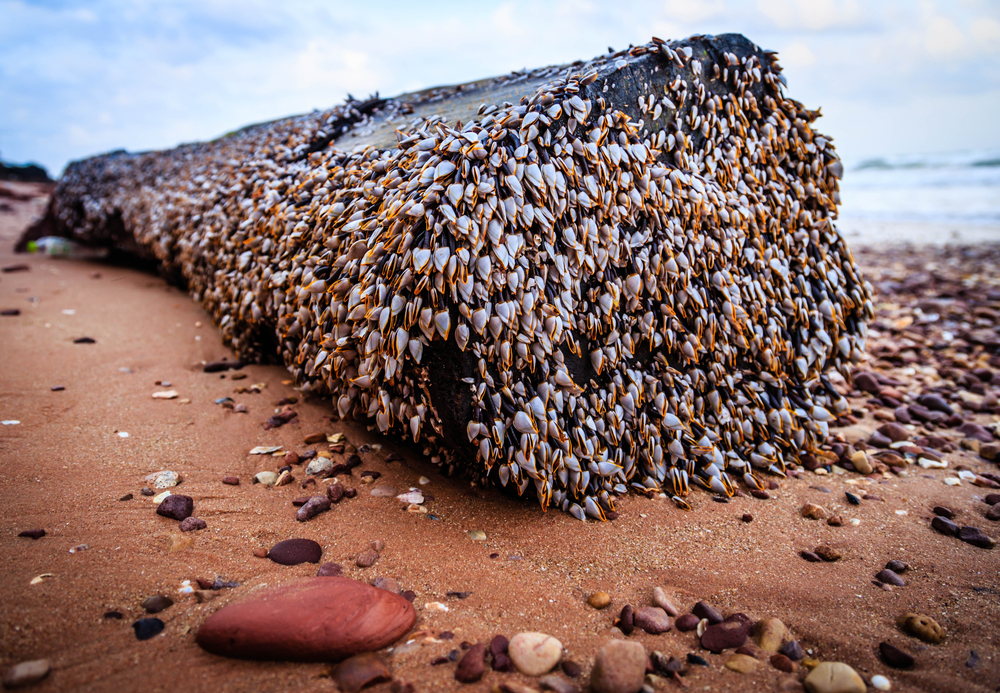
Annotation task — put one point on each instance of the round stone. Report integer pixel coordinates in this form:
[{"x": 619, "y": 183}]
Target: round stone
[
  {"x": 315, "y": 619},
  {"x": 534, "y": 654},
  {"x": 881, "y": 683},
  {"x": 295, "y": 551},
  {"x": 834, "y": 677},
  {"x": 921, "y": 626},
  {"x": 652, "y": 619},
  {"x": 620, "y": 667},
  {"x": 769, "y": 633},
  {"x": 599, "y": 600}
]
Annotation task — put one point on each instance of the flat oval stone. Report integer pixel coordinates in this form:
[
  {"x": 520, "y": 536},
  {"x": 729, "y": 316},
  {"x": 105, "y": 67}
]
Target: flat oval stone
[
  {"x": 534, "y": 654},
  {"x": 652, "y": 619},
  {"x": 834, "y": 677},
  {"x": 725, "y": 635},
  {"x": 26, "y": 673},
  {"x": 316, "y": 619},
  {"x": 295, "y": 551}
]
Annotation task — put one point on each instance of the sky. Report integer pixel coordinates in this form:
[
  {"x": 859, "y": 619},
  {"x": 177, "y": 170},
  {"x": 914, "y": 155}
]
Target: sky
[{"x": 81, "y": 78}]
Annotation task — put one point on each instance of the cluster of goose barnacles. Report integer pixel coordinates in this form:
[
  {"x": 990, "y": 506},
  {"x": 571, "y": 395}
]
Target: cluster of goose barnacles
[{"x": 643, "y": 294}]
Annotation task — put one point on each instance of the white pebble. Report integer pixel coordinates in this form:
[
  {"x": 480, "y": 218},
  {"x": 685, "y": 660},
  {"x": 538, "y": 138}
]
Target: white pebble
[
  {"x": 881, "y": 683},
  {"x": 966, "y": 475},
  {"x": 952, "y": 481}
]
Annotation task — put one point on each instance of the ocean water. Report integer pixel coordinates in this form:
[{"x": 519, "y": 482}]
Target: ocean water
[{"x": 927, "y": 198}]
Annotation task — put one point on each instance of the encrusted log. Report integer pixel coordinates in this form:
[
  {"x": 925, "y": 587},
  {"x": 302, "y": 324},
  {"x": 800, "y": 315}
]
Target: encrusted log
[{"x": 573, "y": 280}]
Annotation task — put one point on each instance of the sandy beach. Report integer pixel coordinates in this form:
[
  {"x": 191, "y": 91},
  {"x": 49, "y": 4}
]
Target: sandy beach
[{"x": 72, "y": 595}]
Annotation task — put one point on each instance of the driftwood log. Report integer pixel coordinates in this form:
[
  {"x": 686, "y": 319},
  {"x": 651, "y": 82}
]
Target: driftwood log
[{"x": 572, "y": 281}]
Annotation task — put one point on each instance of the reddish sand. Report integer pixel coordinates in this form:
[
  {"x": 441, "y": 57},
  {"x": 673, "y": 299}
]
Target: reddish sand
[{"x": 65, "y": 468}]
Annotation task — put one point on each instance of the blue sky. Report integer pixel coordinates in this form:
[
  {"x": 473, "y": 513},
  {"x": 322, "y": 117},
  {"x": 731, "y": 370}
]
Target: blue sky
[{"x": 79, "y": 78}]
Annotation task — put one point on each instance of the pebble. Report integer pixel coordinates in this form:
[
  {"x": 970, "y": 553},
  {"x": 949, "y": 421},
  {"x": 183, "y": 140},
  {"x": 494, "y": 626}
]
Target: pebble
[
  {"x": 769, "y": 633},
  {"x": 725, "y": 636},
  {"x": 231, "y": 480},
  {"x": 312, "y": 507},
  {"x": 388, "y": 584},
  {"x": 742, "y": 663},
  {"x": 895, "y": 657},
  {"x": 176, "y": 507},
  {"x": 265, "y": 478},
  {"x": 747, "y": 517},
  {"x": 554, "y": 682},
  {"x": 943, "y": 512},
  {"x": 330, "y": 570},
  {"x": 383, "y": 491},
  {"x": 894, "y": 431},
  {"x": 861, "y": 463},
  {"x": 534, "y": 654},
  {"x": 192, "y": 524},
  {"x": 476, "y": 535},
  {"x": 472, "y": 665},
  {"x": 810, "y": 556},
  {"x": 498, "y": 654},
  {"x": 827, "y": 553},
  {"x": 992, "y": 499},
  {"x": 852, "y": 499},
  {"x": 366, "y": 559},
  {"x": 620, "y": 667},
  {"x": 889, "y": 577},
  {"x": 599, "y": 600},
  {"x": 26, "y": 673},
  {"x": 662, "y": 600},
  {"x": 570, "y": 668},
  {"x": 705, "y": 610},
  {"x": 295, "y": 551},
  {"x": 881, "y": 683},
  {"x": 319, "y": 465},
  {"x": 686, "y": 622},
  {"x": 783, "y": 663},
  {"x": 993, "y": 513},
  {"x": 625, "y": 621},
  {"x": 976, "y": 537},
  {"x": 812, "y": 511},
  {"x": 33, "y": 533},
  {"x": 156, "y": 603},
  {"x": 163, "y": 479},
  {"x": 944, "y": 526},
  {"x": 921, "y": 626},
  {"x": 146, "y": 628},
  {"x": 652, "y": 619},
  {"x": 897, "y": 566},
  {"x": 312, "y": 619},
  {"x": 360, "y": 671},
  {"x": 834, "y": 677},
  {"x": 793, "y": 650}
]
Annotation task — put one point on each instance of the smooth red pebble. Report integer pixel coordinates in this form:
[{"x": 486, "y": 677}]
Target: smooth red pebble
[
  {"x": 944, "y": 526},
  {"x": 33, "y": 533},
  {"x": 686, "y": 622},
  {"x": 992, "y": 499},
  {"x": 782, "y": 663},
  {"x": 725, "y": 636},
  {"x": 231, "y": 480},
  {"x": 295, "y": 551},
  {"x": 472, "y": 665},
  {"x": 747, "y": 517},
  {"x": 705, "y": 610},
  {"x": 315, "y": 619},
  {"x": 260, "y": 553},
  {"x": 358, "y": 672}
]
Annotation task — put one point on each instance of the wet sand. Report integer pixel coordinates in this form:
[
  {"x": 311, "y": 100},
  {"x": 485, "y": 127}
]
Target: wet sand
[{"x": 66, "y": 467}]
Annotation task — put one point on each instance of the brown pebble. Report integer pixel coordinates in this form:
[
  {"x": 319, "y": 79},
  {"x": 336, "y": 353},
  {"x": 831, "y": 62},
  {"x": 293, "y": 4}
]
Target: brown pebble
[
  {"x": 156, "y": 603},
  {"x": 687, "y": 622},
  {"x": 827, "y": 553},
  {"x": 810, "y": 556},
  {"x": 260, "y": 553},
  {"x": 192, "y": 524},
  {"x": 890, "y": 577},
  {"x": 705, "y": 610},
  {"x": 599, "y": 600},
  {"x": 895, "y": 657},
  {"x": 571, "y": 668},
  {"x": 747, "y": 517},
  {"x": 231, "y": 480},
  {"x": 741, "y": 663},
  {"x": 921, "y": 626},
  {"x": 943, "y": 512},
  {"x": 176, "y": 507},
  {"x": 835, "y": 521},
  {"x": 897, "y": 566},
  {"x": 366, "y": 559},
  {"x": 944, "y": 526},
  {"x": 652, "y": 619},
  {"x": 812, "y": 511},
  {"x": 32, "y": 533},
  {"x": 472, "y": 665},
  {"x": 783, "y": 663},
  {"x": 976, "y": 537},
  {"x": 360, "y": 671},
  {"x": 625, "y": 621}
]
